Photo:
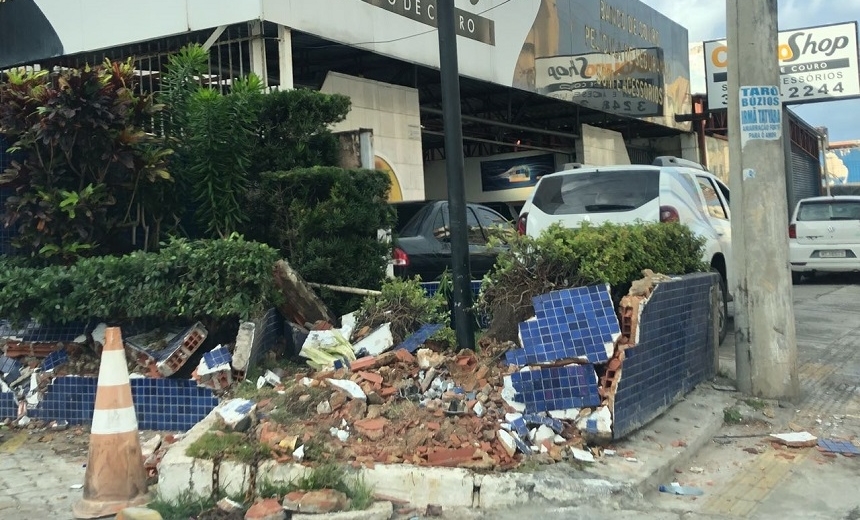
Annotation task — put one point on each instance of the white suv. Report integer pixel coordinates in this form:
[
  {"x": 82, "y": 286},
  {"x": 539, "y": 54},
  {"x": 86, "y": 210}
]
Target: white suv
[{"x": 670, "y": 190}]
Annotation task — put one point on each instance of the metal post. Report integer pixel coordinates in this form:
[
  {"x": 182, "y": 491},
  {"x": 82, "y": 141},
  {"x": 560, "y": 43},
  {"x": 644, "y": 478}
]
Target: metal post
[
  {"x": 825, "y": 144},
  {"x": 766, "y": 345},
  {"x": 454, "y": 162}
]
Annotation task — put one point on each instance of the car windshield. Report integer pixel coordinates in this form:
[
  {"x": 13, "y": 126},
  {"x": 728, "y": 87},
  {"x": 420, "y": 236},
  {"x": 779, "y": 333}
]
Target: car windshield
[
  {"x": 597, "y": 192},
  {"x": 829, "y": 210}
]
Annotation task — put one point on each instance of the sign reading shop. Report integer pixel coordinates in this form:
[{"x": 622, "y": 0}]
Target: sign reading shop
[{"x": 468, "y": 25}]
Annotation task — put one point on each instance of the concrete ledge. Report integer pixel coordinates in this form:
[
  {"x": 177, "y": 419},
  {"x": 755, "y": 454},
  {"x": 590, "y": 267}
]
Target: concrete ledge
[
  {"x": 377, "y": 511},
  {"x": 668, "y": 442}
]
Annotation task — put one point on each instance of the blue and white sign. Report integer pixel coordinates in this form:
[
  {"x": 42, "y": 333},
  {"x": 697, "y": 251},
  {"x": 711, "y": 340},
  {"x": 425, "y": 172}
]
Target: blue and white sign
[{"x": 760, "y": 114}]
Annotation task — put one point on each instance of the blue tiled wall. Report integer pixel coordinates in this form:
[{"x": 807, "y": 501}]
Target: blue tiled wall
[
  {"x": 432, "y": 288},
  {"x": 161, "y": 404},
  {"x": 674, "y": 354}
]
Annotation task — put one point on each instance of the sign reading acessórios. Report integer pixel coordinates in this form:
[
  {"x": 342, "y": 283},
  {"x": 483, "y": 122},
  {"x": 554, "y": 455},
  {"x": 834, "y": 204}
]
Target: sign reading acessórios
[{"x": 816, "y": 64}]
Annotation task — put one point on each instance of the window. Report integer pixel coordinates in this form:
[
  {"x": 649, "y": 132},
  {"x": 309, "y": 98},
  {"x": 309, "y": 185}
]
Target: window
[
  {"x": 712, "y": 201},
  {"x": 597, "y": 192},
  {"x": 476, "y": 234},
  {"x": 829, "y": 210},
  {"x": 440, "y": 224}
]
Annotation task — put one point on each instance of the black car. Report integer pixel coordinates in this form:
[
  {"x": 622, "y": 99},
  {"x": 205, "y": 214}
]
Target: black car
[{"x": 423, "y": 244}]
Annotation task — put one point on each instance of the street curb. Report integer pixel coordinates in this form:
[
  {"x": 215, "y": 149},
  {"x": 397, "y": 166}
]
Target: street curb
[{"x": 691, "y": 423}]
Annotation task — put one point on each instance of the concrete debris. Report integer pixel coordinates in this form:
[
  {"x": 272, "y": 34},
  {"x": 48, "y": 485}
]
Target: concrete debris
[
  {"x": 301, "y": 304},
  {"x": 238, "y": 414},
  {"x": 795, "y": 439},
  {"x": 349, "y": 387},
  {"x": 228, "y": 506},
  {"x": 582, "y": 455},
  {"x": 375, "y": 343}
]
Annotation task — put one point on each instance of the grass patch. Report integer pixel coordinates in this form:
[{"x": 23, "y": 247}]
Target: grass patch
[
  {"x": 326, "y": 476},
  {"x": 289, "y": 409},
  {"x": 186, "y": 506},
  {"x": 756, "y": 404},
  {"x": 398, "y": 410},
  {"x": 732, "y": 415},
  {"x": 230, "y": 445}
]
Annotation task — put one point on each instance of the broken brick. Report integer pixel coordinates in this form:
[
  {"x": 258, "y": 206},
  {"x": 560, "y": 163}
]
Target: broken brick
[
  {"x": 370, "y": 376},
  {"x": 404, "y": 356},
  {"x": 317, "y": 502},
  {"x": 362, "y": 363},
  {"x": 266, "y": 510},
  {"x": 449, "y": 457}
]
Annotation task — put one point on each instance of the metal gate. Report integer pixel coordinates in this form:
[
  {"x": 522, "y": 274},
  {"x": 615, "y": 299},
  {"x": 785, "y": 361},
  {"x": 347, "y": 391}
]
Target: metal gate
[{"x": 804, "y": 177}]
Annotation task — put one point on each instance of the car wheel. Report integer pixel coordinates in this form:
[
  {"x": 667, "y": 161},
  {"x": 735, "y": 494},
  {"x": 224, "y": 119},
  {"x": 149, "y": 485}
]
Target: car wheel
[
  {"x": 796, "y": 278},
  {"x": 722, "y": 307}
]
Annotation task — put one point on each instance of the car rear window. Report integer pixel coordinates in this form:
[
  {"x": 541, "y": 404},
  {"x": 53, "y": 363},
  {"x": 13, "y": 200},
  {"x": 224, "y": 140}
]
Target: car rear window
[
  {"x": 412, "y": 228},
  {"x": 829, "y": 210},
  {"x": 597, "y": 192}
]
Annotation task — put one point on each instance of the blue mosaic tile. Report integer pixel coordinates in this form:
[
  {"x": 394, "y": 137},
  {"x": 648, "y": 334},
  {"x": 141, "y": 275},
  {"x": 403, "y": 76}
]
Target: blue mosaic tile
[
  {"x": 571, "y": 323},
  {"x": 10, "y": 369},
  {"x": 217, "y": 357},
  {"x": 161, "y": 404},
  {"x": 549, "y": 422},
  {"x": 521, "y": 445},
  {"x": 557, "y": 388},
  {"x": 674, "y": 354},
  {"x": 516, "y": 357},
  {"x": 8, "y": 406},
  {"x": 519, "y": 426},
  {"x": 55, "y": 359},
  {"x": 34, "y": 332},
  {"x": 838, "y": 446},
  {"x": 413, "y": 342}
]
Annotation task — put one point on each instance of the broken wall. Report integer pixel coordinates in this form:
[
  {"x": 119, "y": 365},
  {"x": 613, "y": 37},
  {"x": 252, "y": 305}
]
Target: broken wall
[{"x": 674, "y": 353}]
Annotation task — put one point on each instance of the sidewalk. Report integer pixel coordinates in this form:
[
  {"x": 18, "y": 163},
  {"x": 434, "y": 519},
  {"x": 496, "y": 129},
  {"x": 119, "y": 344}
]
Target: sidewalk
[{"x": 748, "y": 477}]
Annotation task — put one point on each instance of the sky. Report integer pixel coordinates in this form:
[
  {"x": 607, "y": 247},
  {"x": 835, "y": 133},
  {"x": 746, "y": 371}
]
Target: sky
[{"x": 706, "y": 20}]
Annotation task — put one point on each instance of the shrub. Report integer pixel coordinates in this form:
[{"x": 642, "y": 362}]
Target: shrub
[
  {"x": 405, "y": 305},
  {"x": 87, "y": 171},
  {"x": 561, "y": 258},
  {"x": 206, "y": 279},
  {"x": 326, "y": 221}
]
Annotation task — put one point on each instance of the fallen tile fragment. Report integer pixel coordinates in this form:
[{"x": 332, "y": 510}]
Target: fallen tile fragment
[
  {"x": 795, "y": 439},
  {"x": 414, "y": 342},
  {"x": 677, "y": 489},
  {"x": 237, "y": 413},
  {"x": 838, "y": 446}
]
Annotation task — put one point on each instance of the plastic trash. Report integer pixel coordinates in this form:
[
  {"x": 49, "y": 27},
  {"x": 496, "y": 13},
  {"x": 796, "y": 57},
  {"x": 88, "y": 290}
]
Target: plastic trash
[{"x": 677, "y": 489}]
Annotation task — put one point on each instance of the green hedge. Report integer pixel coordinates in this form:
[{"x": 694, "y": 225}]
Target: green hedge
[
  {"x": 204, "y": 279},
  {"x": 325, "y": 221}
]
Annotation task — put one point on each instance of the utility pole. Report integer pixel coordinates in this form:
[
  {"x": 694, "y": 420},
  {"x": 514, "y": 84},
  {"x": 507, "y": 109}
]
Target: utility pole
[
  {"x": 765, "y": 340},
  {"x": 452, "y": 119}
]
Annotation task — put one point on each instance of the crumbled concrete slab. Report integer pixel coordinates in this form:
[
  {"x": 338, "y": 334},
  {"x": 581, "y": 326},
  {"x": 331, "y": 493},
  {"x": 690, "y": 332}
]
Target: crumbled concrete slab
[{"x": 377, "y": 511}]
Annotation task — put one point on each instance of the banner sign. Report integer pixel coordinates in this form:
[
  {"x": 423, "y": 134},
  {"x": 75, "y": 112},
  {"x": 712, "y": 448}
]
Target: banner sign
[{"x": 815, "y": 64}]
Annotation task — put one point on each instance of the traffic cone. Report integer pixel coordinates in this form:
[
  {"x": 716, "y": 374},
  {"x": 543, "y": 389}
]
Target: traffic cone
[{"x": 115, "y": 477}]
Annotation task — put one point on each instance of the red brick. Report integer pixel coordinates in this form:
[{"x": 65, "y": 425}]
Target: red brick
[
  {"x": 317, "y": 502},
  {"x": 404, "y": 356},
  {"x": 371, "y": 376},
  {"x": 446, "y": 457},
  {"x": 266, "y": 510},
  {"x": 387, "y": 391},
  {"x": 363, "y": 363}
]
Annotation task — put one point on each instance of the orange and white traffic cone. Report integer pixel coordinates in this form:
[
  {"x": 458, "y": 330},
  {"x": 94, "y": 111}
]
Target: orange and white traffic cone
[{"x": 115, "y": 477}]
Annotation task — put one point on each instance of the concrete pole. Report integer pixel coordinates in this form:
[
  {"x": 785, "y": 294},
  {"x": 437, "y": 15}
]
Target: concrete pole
[
  {"x": 766, "y": 345},
  {"x": 285, "y": 57},
  {"x": 257, "y": 49}
]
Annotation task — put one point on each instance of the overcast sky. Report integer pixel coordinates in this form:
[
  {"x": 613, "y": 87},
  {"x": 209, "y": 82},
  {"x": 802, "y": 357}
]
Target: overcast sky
[{"x": 706, "y": 20}]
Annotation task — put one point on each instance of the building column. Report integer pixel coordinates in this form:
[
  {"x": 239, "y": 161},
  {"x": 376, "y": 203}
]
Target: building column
[
  {"x": 257, "y": 47},
  {"x": 285, "y": 57}
]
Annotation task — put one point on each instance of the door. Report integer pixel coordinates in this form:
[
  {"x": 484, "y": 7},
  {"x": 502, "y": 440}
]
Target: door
[{"x": 717, "y": 211}]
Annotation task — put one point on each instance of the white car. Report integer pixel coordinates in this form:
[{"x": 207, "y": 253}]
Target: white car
[
  {"x": 670, "y": 190},
  {"x": 824, "y": 236}
]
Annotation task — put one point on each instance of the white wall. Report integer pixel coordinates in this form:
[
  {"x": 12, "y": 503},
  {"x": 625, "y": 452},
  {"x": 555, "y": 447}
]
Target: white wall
[
  {"x": 392, "y": 112},
  {"x": 600, "y": 147},
  {"x": 436, "y": 181}
]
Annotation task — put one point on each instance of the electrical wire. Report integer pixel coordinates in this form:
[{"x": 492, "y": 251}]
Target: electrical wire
[{"x": 393, "y": 40}]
